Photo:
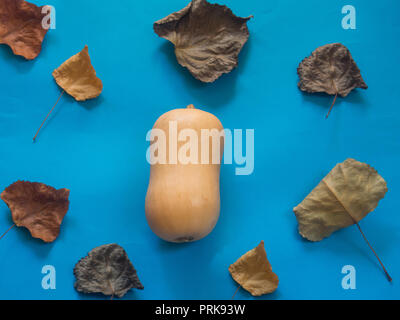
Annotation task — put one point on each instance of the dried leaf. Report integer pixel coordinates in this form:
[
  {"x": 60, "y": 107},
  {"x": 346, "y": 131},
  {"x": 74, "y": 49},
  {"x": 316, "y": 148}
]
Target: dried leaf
[
  {"x": 78, "y": 77},
  {"x": 37, "y": 207},
  {"x": 107, "y": 270},
  {"x": 345, "y": 196},
  {"x": 207, "y": 37},
  {"x": 254, "y": 272},
  {"x": 21, "y": 27},
  {"x": 330, "y": 69}
]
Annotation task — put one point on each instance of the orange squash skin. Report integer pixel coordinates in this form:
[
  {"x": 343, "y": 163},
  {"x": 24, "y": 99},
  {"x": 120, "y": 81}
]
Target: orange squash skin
[{"x": 183, "y": 200}]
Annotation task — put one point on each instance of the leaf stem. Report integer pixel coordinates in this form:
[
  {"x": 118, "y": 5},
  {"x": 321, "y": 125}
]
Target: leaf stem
[
  {"x": 333, "y": 103},
  {"x": 233, "y": 297},
  {"x": 34, "y": 138},
  {"x": 7, "y": 231},
  {"x": 376, "y": 255}
]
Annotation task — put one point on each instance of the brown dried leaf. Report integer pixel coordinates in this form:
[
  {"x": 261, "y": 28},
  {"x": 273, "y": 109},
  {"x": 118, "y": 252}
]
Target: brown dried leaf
[
  {"x": 254, "y": 272},
  {"x": 21, "y": 27},
  {"x": 78, "y": 77},
  {"x": 37, "y": 207},
  {"x": 107, "y": 270},
  {"x": 344, "y": 197},
  {"x": 330, "y": 69},
  {"x": 207, "y": 37}
]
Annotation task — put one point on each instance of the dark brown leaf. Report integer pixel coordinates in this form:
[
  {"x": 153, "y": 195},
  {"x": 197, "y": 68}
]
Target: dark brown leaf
[
  {"x": 330, "y": 69},
  {"x": 207, "y": 37},
  {"x": 107, "y": 270},
  {"x": 21, "y": 27},
  {"x": 37, "y": 207}
]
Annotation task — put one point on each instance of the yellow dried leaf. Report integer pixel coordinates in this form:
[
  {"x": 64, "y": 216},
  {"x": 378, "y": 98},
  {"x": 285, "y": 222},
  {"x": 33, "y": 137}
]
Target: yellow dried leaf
[
  {"x": 344, "y": 197},
  {"x": 78, "y": 77},
  {"x": 254, "y": 272}
]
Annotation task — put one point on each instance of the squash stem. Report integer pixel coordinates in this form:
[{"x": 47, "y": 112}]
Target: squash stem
[
  {"x": 333, "y": 103},
  {"x": 7, "y": 231},
  {"x": 233, "y": 297},
  {"x": 376, "y": 255},
  {"x": 34, "y": 138}
]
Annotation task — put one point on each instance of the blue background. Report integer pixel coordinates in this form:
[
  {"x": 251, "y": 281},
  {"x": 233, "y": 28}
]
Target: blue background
[{"x": 97, "y": 149}]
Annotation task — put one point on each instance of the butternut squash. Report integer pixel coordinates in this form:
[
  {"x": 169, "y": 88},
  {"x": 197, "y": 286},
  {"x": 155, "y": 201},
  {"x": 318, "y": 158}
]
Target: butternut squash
[{"x": 183, "y": 198}]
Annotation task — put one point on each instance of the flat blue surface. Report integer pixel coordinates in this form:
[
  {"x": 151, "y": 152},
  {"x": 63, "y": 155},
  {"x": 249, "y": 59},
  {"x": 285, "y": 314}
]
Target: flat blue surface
[{"x": 97, "y": 149}]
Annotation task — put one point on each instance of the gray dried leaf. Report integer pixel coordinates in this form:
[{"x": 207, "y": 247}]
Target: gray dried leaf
[
  {"x": 330, "y": 69},
  {"x": 207, "y": 37},
  {"x": 107, "y": 270}
]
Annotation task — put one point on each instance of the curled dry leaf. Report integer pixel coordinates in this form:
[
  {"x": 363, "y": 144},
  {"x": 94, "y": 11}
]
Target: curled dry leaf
[
  {"x": 107, "y": 270},
  {"x": 343, "y": 198},
  {"x": 254, "y": 272},
  {"x": 37, "y": 207},
  {"x": 78, "y": 77},
  {"x": 21, "y": 27},
  {"x": 207, "y": 37},
  {"x": 330, "y": 69}
]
